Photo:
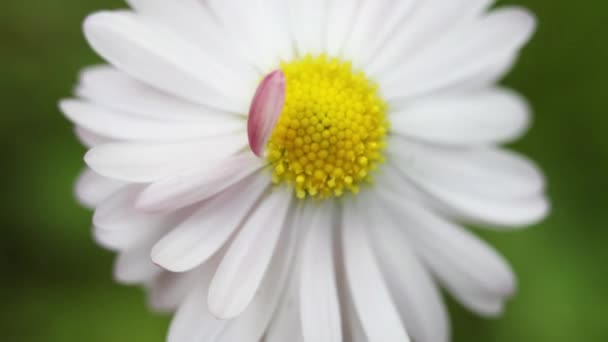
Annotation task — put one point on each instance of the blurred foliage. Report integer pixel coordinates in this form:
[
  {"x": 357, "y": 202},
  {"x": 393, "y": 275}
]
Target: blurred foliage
[{"x": 56, "y": 283}]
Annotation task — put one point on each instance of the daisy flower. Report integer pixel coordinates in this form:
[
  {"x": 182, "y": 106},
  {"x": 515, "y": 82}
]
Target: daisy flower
[{"x": 301, "y": 170}]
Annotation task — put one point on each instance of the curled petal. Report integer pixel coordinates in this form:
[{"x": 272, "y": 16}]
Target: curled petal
[{"x": 265, "y": 110}]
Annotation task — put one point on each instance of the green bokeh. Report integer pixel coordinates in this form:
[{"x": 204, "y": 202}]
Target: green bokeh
[{"x": 56, "y": 283}]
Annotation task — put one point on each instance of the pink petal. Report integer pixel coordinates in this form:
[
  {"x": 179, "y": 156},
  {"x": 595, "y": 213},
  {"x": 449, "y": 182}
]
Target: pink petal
[{"x": 266, "y": 107}]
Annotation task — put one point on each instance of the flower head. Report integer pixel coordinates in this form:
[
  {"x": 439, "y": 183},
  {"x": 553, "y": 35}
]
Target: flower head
[{"x": 301, "y": 170}]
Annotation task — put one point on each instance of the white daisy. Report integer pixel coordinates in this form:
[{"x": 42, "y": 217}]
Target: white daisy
[{"x": 377, "y": 125}]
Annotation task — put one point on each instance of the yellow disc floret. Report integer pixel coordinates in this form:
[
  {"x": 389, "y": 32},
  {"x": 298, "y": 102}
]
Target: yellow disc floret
[{"x": 330, "y": 135}]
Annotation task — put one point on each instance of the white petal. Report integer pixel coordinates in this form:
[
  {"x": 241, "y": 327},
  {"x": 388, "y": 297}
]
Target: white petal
[
  {"x": 271, "y": 33},
  {"x": 242, "y": 25},
  {"x": 204, "y": 233},
  {"x": 486, "y": 77},
  {"x": 92, "y": 189},
  {"x": 354, "y": 331},
  {"x": 307, "y": 19},
  {"x": 392, "y": 180},
  {"x": 252, "y": 324},
  {"x": 340, "y": 18},
  {"x": 195, "y": 21},
  {"x": 458, "y": 258},
  {"x": 118, "y": 213},
  {"x": 193, "y": 321},
  {"x": 113, "y": 89},
  {"x": 415, "y": 293},
  {"x": 478, "y": 301},
  {"x": 489, "y": 116},
  {"x": 374, "y": 306},
  {"x": 286, "y": 324},
  {"x": 248, "y": 257},
  {"x": 485, "y": 185},
  {"x": 319, "y": 306},
  {"x": 123, "y": 227},
  {"x": 461, "y": 55},
  {"x": 197, "y": 184},
  {"x": 148, "y": 162},
  {"x": 133, "y": 266},
  {"x": 420, "y": 28},
  {"x": 516, "y": 213},
  {"x": 165, "y": 60},
  {"x": 168, "y": 290},
  {"x": 191, "y": 316},
  {"x": 120, "y": 240},
  {"x": 485, "y": 305},
  {"x": 370, "y": 16},
  {"x": 90, "y": 139},
  {"x": 392, "y": 16},
  {"x": 486, "y": 171},
  {"x": 122, "y": 126}
]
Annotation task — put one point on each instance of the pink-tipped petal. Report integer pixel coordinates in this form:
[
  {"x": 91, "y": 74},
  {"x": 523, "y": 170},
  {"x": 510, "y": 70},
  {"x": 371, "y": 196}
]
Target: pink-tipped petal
[{"x": 266, "y": 107}]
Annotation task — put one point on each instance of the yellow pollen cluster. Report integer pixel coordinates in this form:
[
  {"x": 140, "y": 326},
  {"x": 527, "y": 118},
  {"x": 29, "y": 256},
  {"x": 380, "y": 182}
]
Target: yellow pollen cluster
[{"x": 331, "y": 133}]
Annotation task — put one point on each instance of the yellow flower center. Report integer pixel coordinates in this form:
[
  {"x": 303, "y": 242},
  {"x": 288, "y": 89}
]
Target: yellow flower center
[{"x": 331, "y": 133}]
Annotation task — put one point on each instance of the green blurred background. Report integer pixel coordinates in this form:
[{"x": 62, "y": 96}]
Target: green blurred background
[{"x": 56, "y": 284}]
